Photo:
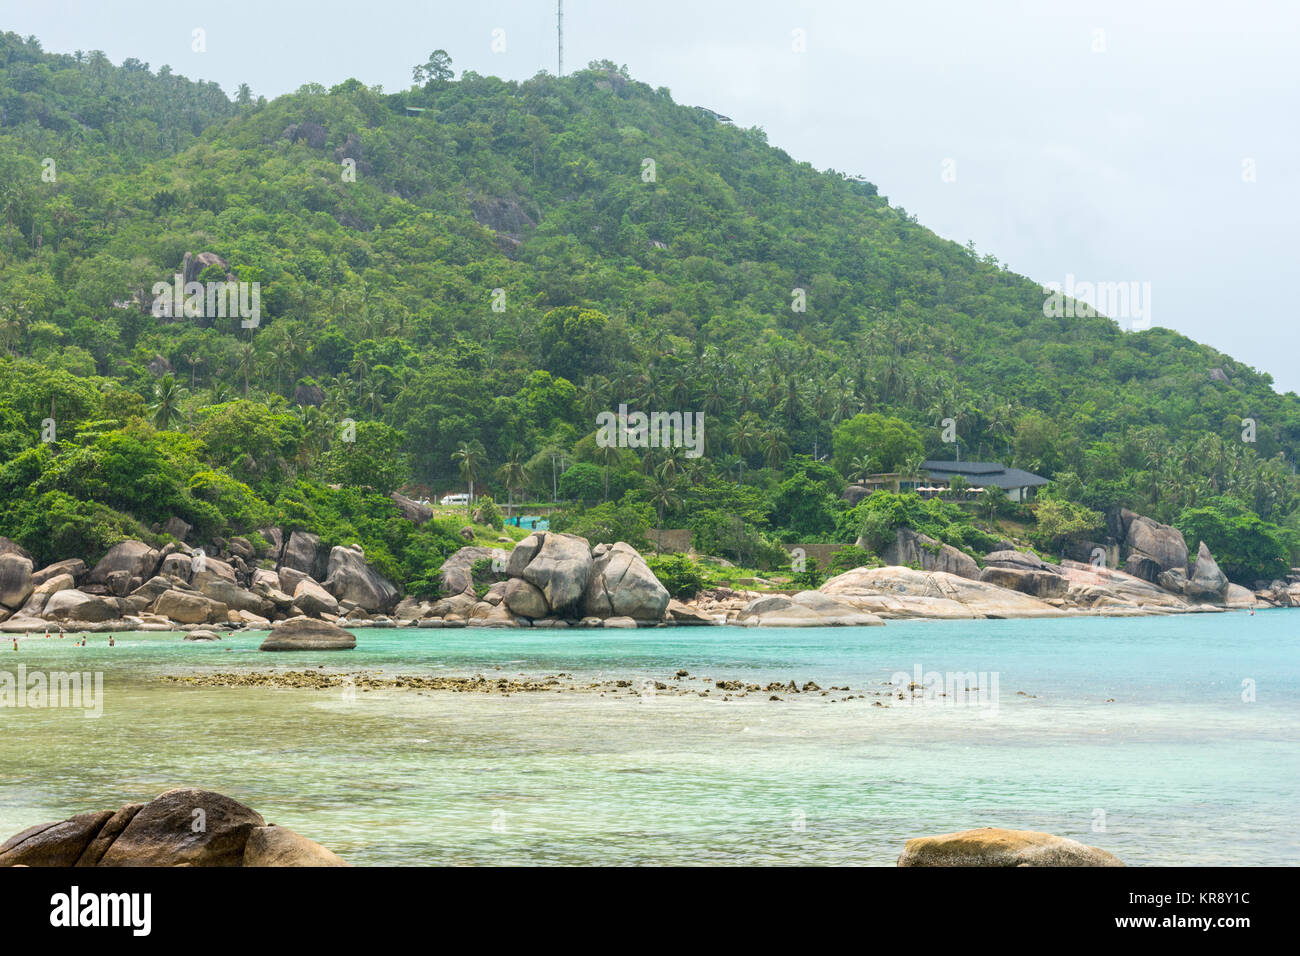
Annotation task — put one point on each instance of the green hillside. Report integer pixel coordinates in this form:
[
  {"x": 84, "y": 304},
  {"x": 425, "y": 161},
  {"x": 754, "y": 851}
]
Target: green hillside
[{"x": 502, "y": 267}]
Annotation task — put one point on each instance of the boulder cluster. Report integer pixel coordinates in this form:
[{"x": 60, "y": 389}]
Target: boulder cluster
[
  {"x": 182, "y": 827},
  {"x": 307, "y": 593},
  {"x": 549, "y": 580},
  {"x": 1156, "y": 578},
  {"x": 234, "y": 584}
]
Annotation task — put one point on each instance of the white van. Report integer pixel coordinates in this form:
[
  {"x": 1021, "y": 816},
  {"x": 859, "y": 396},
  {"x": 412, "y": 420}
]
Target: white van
[{"x": 455, "y": 499}]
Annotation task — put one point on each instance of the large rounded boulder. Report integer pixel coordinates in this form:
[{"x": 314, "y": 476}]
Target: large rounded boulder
[
  {"x": 993, "y": 846},
  {"x": 306, "y": 634},
  {"x": 135, "y": 558},
  {"x": 350, "y": 578},
  {"x": 457, "y": 572},
  {"x": 185, "y": 827},
  {"x": 74, "y": 605},
  {"x": 1161, "y": 543},
  {"x": 622, "y": 585},
  {"x": 302, "y": 552},
  {"x": 1041, "y": 584},
  {"x": 280, "y": 846},
  {"x": 187, "y": 607},
  {"x": 560, "y": 569},
  {"x": 15, "y": 580},
  {"x": 524, "y": 599}
]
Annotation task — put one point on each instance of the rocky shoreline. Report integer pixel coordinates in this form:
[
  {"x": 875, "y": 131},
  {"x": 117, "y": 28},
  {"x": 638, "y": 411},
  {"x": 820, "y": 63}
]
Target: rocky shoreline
[
  {"x": 558, "y": 580},
  {"x": 680, "y": 684}
]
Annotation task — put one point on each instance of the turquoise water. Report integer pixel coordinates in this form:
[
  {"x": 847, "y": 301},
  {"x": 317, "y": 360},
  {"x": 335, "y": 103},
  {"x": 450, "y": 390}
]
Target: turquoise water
[{"x": 1128, "y": 734}]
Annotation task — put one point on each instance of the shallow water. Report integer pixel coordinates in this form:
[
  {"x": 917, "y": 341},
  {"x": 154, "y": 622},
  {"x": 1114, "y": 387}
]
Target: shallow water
[{"x": 1128, "y": 734}]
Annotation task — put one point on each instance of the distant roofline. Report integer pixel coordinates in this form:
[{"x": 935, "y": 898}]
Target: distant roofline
[{"x": 987, "y": 472}]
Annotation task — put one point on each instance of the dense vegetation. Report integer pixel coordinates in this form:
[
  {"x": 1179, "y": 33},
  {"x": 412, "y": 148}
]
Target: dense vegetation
[{"x": 472, "y": 269}]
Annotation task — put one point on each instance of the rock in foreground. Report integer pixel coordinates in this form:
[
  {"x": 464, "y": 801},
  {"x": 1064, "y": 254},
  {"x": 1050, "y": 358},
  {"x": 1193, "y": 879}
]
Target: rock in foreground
[
  {"x": 993, "y": 846},
  {"x": 307, "y": 634},
  {"x": 183, "y": 827}
]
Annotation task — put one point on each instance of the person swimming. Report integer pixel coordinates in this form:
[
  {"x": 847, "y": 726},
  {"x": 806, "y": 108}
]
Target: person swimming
[{"x": 111, "y": 642}]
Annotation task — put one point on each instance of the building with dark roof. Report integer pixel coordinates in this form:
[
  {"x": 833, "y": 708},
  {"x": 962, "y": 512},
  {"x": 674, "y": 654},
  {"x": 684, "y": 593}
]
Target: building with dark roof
[{"x": 1019, "y": 485}]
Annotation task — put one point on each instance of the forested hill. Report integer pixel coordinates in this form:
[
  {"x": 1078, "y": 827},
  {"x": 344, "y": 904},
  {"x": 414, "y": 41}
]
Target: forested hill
[{"x": 475, "y": 262}]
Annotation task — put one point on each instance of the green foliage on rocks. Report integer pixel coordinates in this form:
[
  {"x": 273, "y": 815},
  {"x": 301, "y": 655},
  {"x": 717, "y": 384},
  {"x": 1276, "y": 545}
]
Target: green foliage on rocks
[{"x": 1246, "y": 548}]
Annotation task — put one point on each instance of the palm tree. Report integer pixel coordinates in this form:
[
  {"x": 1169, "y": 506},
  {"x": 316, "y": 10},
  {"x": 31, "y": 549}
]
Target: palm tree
[
  {"x": 673, "y": 462},
  {"x": 360, "y": 368},
  {"x": 729, "y": 463},
  {"x": 245, "y": 362},
  {"x": 716, "y": 376},
  {"x": 606, "y": 455},
  {"x": 912, "y": 468},
  {"x": 511, "y": 474},
  {"x": 744, "y": 439},
  {"x": 374, "y": 395},
  {"x": 745, "y": 395},
  {"x": 859, "y": 467},
  {"x": 285, "y": 350},
  {"x": 593, "y": 396},
  {"x": 218, "y": 393},
  {"x": 165, "y": 406},
  {"x": 792, "y": 400},
  {"x": 316, "y": 428},
  {"x": 11, "y": 331},
  {"x": 195, "y": 359},
  {"x": 472, "y": 458},
  {"x": 663, "y": 494},
  {"x": 776, "y": 448},
  {"x": 679, "y": 392}
]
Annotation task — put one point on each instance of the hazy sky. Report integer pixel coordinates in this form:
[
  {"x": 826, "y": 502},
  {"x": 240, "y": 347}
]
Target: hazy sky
[{"x": 1108, "y": 141}]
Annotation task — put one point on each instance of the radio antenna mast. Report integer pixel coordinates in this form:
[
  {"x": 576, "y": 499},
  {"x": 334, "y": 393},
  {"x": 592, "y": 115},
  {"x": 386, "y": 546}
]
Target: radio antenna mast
[{"x": 559, "y": 29}]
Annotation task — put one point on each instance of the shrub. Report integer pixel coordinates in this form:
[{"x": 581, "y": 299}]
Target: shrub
[
  {"x": 679, "y": 574},
  {"x": 726, "y": 535},
  {"x": 846, "y": 559},
  {"x": 810, "y": 578},
  {"x": 1060, "y": 521},
  {"x": 487, "y": 513}
]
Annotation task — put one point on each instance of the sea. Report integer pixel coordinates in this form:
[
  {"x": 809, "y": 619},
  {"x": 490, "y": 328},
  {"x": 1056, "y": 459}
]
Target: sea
[{"x": 1164, "y": 740}]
